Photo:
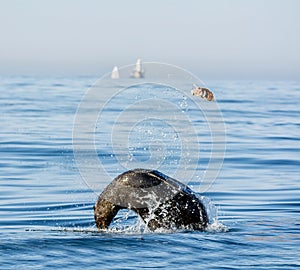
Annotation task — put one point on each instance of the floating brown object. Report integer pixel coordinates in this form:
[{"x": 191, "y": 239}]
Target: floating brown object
[
  {"x": 161, "y": 201},
  {"x": 203, "y": 93}
]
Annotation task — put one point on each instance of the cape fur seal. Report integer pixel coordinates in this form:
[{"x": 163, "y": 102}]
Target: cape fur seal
[
  {"x": 203, "y": 93},
  {"x": 161, "y": 201}
]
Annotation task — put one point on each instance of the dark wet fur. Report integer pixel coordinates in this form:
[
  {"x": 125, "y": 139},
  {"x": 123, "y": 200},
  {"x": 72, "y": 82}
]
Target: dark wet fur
[{"x": 178, "y": 206}]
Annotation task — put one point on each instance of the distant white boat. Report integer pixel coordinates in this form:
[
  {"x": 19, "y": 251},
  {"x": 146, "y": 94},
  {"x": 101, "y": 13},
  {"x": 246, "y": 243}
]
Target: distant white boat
[
  {"x": 115, "y": 73},
  {"x": 138, "y": 72}
]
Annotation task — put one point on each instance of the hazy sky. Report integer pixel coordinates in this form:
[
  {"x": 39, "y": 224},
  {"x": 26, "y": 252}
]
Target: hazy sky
[{"x": 212, "y": 38}]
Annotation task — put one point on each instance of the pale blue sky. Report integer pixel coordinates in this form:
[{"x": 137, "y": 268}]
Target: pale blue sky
[{"x": 214, "y": 39}]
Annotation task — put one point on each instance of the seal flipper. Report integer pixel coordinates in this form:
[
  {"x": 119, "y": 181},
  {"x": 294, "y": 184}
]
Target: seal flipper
[{"x": 104, "y": 212}]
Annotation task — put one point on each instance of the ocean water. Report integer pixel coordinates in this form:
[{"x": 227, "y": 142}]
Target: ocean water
[{"x": 46, "y": 203}]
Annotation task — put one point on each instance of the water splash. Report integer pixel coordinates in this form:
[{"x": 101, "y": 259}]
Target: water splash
[
  {"x": 128, "y": 222},
  {"x": 215, "y": 225}
]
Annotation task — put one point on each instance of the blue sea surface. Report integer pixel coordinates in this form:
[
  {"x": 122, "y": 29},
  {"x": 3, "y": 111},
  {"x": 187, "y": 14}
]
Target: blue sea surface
[{"x": 46, "y": 207}]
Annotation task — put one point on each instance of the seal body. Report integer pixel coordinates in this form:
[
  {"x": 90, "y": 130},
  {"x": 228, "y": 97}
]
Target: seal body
[
  {"x": 161, "y": 201},
  {"x": 203, "y": 93}
]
